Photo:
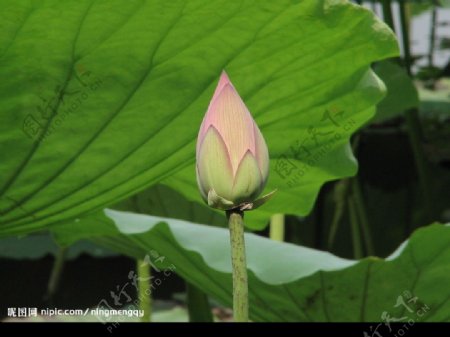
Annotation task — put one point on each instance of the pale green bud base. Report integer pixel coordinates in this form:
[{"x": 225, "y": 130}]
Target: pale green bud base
[{"x": 216, "y": 201}]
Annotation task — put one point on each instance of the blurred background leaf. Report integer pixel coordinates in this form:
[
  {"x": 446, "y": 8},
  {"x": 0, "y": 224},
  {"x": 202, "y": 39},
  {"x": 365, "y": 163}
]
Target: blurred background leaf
[
  {"x": 401, "y": 92},
  {"x": 40, "y": 245}
]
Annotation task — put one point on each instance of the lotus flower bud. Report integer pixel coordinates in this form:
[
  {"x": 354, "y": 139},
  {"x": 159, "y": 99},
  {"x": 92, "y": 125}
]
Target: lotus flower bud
[{"x": 232, "y": 156}]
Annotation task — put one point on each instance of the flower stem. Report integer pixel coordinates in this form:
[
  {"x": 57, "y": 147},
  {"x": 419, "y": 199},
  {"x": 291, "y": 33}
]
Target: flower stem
[
  {"x": 415, "y": 130},
  {"x": 432, "y": 37},
  {"x": 145, "y": 300},
  {"x": 356, "y": 235},
  {"x": 198, "y": 305},
  {"x": 387, "y": 14},
  {"x": 340, "y": 196},
  {"x": 277, "y": 227},
  {"x": 55, "y": 275},
  {"x": 404, "y": 26},
  {"x": 362, "y": 215},
  {"x": 239, "y": 265}
]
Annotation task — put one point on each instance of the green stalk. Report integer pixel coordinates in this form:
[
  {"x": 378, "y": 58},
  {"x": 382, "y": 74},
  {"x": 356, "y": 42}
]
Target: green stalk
[
  {"x": 387, "y": 14},
  {"x": 239, "y": 265},
  {"x": 145, "y": 300},
  {"x": 415, "y": 132},
  {"x": 198, "y": 305},
  {"x": 276, "y": 230},
  {"x": 432, "y": 37},
  {"x": 415, "y": 139},
  {"x": 340, "y": 192},
  {"x": 404, "y": 25},
  {"x": 362, "y": 215},
  {"x": 144, "y": 271},
  {"x": 55, "y": 276},
  {"x": 356, "y": 235}
]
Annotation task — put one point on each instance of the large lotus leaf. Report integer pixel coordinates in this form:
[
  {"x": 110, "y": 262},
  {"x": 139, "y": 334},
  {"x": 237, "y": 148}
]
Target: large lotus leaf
[
  {"x": 287, "y": 282},
  {"x": 101, "y": 99}
]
